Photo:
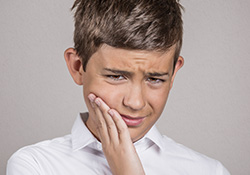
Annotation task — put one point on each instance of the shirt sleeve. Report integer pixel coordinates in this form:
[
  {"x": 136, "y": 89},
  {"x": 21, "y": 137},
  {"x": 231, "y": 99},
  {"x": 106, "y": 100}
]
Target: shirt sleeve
[
  {"x": 21, "y": 163},
  {"x": 221, "y": 170}
]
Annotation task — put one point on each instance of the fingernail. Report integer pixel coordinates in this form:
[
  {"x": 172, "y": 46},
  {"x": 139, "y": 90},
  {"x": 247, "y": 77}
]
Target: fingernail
[
  {"x": 111, "y": 113},
  {"x": 97, "y": 101},
  {"x": 91, "y": 98}
]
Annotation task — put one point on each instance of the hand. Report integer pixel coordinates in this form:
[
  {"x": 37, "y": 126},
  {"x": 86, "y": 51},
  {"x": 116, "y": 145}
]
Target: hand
[{"x": 115, "y": 138}]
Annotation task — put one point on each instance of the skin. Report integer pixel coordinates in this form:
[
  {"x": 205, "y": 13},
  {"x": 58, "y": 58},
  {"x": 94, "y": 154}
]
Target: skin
[
  {"x": 115, "y": 138},
  {"x": 121, "y": 84}
]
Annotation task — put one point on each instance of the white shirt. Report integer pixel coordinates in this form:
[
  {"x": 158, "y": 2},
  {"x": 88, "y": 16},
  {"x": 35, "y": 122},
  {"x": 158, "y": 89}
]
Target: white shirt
[{"x": 80, "y": 153}]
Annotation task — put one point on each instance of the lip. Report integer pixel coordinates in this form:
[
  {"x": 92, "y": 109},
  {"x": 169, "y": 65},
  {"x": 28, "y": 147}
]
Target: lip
[{"x": 132, "y": 121}]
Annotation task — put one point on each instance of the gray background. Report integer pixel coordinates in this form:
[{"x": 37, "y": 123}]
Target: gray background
[{"x": 208, "y": 109}]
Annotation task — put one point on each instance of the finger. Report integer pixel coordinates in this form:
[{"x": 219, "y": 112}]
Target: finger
[
  {"x": 122, "y": 128},
  {"x": 111, "y": 126},
  {"x": 101, "y": 127}
]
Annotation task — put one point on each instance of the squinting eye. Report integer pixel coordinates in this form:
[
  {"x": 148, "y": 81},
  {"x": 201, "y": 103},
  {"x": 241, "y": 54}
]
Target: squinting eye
[
  {"x": 116, "y": 77},
  {"x": 155, "y": 80}
]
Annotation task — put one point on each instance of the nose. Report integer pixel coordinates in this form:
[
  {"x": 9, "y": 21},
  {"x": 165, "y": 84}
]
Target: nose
[{"x": 135, "y": 98}]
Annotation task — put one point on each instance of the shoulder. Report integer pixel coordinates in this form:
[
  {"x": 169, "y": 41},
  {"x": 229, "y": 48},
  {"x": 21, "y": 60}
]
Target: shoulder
[
  {"x": 44, "y": 147},
  {"x": 28, "y": 158},
  {"x": 192, "y": 160}
]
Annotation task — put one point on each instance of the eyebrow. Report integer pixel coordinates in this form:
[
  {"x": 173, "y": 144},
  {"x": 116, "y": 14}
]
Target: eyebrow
[
  {"x": 116, "y": 71},
  {"x": 157, "y": 74},
  {"x": 153, "y": 74}
]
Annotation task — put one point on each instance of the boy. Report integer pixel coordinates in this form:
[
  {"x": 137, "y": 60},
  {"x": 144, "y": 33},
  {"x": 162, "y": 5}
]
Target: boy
[{"x": 126, "y": 56}]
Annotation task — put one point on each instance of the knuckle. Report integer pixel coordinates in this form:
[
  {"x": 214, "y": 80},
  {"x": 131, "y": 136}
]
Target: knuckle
[
  {"x": 122, "y": 130},
  {"x": 111, "y": 125},
  {"x": 100, "y": 124}
]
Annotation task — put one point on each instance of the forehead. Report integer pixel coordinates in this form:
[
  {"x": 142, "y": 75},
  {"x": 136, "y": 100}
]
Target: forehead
[{"x": 134, "y": 59}]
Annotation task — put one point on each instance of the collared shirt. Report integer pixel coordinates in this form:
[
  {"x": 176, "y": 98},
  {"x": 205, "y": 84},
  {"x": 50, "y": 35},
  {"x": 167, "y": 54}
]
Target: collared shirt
[{"x": 80, "y": 153}]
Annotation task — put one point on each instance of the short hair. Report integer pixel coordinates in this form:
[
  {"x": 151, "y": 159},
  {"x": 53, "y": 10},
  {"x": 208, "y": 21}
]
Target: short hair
[{"x": 127, "y": 24}]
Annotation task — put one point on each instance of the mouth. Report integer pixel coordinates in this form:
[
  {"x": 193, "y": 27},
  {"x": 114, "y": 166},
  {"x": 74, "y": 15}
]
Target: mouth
[{"x": 132, "y": 121}]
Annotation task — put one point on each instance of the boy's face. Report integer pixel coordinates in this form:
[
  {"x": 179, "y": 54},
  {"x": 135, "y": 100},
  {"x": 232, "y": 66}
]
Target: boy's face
[{"x": 135, "y": 83}]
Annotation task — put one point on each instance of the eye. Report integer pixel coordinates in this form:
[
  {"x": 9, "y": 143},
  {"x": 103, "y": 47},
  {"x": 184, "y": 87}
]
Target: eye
[
  {"x": 153, "y": 80},
  {"x": 116, "y": 77}
]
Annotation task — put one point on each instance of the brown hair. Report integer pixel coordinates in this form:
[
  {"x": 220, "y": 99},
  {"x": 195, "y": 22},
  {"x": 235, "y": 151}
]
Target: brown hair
[{"x": 128, "y": 24}]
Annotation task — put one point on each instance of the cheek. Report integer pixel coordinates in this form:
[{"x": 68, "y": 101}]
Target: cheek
[
  {"x": 110, "y": 94},
  {"x": 158, "y": 100}
]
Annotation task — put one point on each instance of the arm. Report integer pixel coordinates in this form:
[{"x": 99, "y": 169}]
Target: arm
[
  {"x": 21, "y": 163},
  {"x": 116, "y": 142},
  {"x": 221, "y": 170}
]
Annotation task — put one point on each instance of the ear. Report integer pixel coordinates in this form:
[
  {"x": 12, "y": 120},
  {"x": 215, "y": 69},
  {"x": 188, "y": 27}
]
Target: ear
[
  {"x": 74, "y": 65},
  {"x": 178, "y": 65}
]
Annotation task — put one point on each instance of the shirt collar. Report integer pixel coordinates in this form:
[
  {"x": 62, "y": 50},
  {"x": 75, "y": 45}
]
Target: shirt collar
[
  {"x": 155, "y": 136},
  {"x": 81, "y": 136}
]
